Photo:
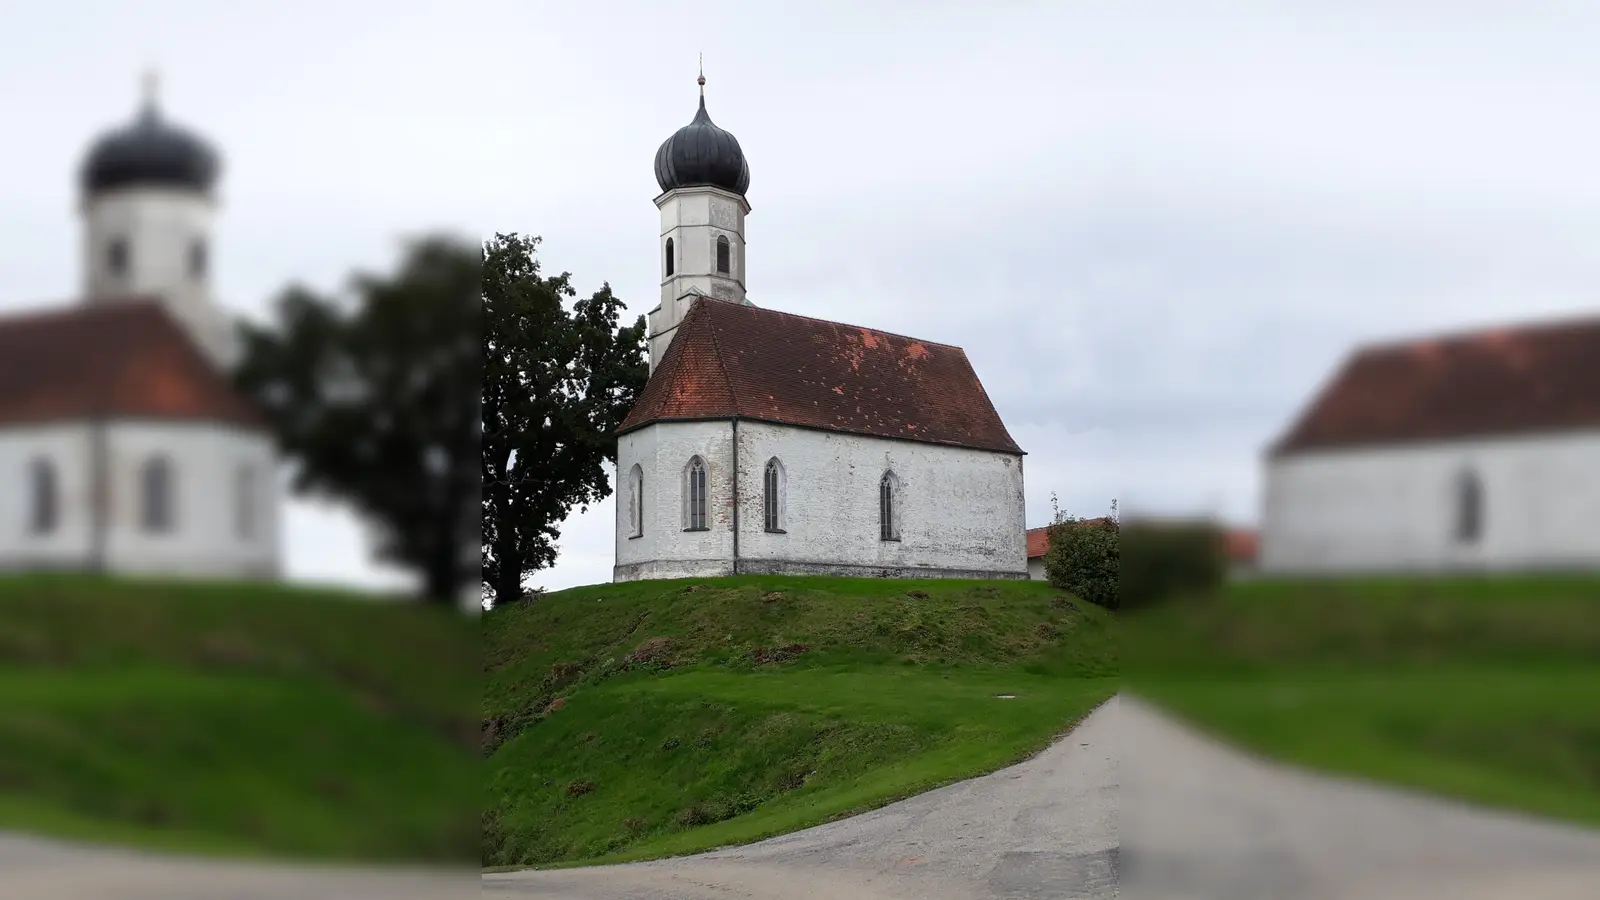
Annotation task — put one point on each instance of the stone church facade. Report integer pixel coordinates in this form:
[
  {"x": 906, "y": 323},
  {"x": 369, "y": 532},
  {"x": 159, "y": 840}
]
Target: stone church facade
[
  {"x": 123, "y": 446},
  {"x": 1475, "y": 452},
  {"x": 767, "y": 442}
]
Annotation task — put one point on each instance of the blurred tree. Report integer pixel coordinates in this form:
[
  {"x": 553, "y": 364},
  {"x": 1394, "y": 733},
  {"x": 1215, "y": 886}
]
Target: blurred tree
[
  {"x": 375, "y": 398},
  {"x": 557, "y": 382}
]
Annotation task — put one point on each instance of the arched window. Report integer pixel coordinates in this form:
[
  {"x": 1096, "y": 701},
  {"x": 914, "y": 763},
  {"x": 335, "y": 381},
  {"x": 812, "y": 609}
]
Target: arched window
[
  {"x": 1469, "y": 508},
  {"x": 156, "y": 495},
  {"x": 244, "y": 503},
  {"x": 772, "y": 496},
  {"x": 671, "y": 265},
  {"x": 694, "y": 495},
  {"x": 636, "y": 502},
  {"x": 117, "y": 256},
  {"x": 44, "y": 511},
  {"x": 197, "y": 259},
  {"x": 724, "y": 256},
  {"x": 888, "y": 507}
]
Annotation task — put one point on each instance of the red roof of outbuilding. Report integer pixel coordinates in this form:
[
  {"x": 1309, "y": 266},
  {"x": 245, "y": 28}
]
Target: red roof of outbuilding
[
  {"x": 1534, "y": 378},
  {"x": 127, "y": 359},
  {"x": 730, "y": 360}
]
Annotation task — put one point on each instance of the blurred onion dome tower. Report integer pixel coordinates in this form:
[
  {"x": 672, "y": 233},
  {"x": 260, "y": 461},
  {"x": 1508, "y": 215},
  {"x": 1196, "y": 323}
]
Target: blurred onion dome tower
[{"x": 123, "y": 446}]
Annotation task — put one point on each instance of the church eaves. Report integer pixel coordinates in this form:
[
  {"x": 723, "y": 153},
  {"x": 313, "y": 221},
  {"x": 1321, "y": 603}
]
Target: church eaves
[
  {"x": 729, "y": 360},
  {"x": 123, "y": 360},
  {"x": 1528, "y": 380}
]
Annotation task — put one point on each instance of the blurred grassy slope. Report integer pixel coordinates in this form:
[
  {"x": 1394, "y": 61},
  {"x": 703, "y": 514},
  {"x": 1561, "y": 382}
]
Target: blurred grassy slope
[{"x": 238, "y": 719}]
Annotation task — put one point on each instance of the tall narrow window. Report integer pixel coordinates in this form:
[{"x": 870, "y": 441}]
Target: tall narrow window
[
  {"x": 44, "y": 510},
  {"x": 244, "y": 503},
  {"x": 671, "y": 264},
  {"x": 1469, "y": 508},
  {"x": 772, "y": 495},
  {"x": 724, "y": 256},
  {"x": 694, "y": 495},
  {"x": 636, "y": 502},
  {"x": 117, "y": 256},
  {"x": 156, "y": 489},
  {"x": 888, "y": 513},
  {"x": 197, "y": 259}
]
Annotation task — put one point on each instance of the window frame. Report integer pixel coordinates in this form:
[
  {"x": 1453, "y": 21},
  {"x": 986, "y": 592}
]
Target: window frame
[
  {"x": 695, "y": 489},
  {"x": 44, "y": 497},
  {"x": 724, "y": 255},
  {"x": 158, "y": 496},
  {"x": 635, "y": 502},
  {"x": 773, "y": 511},
  {"x": 889, "y": 507}
]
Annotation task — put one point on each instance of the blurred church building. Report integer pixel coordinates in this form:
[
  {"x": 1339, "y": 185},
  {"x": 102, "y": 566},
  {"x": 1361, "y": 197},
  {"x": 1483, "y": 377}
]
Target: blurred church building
[
  {"x": 1473, "y": 452},
  {"x": 123, "y": 446}
]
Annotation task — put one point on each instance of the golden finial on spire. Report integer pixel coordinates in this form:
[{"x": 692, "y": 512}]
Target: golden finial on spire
[{"x": 702, "y": 79}]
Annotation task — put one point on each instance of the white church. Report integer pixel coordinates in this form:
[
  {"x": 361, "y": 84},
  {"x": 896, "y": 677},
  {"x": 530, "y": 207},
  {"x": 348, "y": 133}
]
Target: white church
[
  {"x": 123, "y": 447},
  {"x": 1475, "y": 452},
  {"x": 767, "y": 442}
]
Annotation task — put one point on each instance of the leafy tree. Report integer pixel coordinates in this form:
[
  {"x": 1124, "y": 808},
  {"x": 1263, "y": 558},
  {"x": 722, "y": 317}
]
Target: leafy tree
[
  {"x": 557, "y": 383},
  {"x": 1083, "y": 558},
  {"x": 374, "y": 398},
  {"x": 1166, "y": 560}
]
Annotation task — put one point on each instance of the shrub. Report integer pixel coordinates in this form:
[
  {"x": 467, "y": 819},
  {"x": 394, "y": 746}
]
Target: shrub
[
  {"x": 1171, "y": 558},
  {"x": 1083, "y": 559}
]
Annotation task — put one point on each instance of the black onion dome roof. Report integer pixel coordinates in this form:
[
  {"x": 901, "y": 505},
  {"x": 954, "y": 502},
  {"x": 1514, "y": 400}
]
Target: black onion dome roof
[
  {"x": 700, "y": 153},
  {"x": 150, "y": 152}
]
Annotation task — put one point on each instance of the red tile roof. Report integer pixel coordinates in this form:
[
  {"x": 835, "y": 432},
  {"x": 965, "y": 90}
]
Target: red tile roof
[
  {"x": 128, "y": 359},
  {"x": 730, "y": 360},
  {"x": 1241, "y": 544},
  {"x": 1536, "y": 378}
]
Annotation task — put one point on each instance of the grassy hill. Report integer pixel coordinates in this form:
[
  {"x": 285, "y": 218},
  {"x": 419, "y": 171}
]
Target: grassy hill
[
  {"x": 637, "y": 720},
  {"x": 238, "y": 719},
  {"x": 1478, "y": 688}
]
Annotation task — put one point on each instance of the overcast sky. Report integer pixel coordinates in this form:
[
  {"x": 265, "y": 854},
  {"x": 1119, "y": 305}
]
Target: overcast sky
[{"x": 1154, "y": 227}]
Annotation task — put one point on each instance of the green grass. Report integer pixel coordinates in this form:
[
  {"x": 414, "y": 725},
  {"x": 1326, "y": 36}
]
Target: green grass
[
  {"x": 245, "y": 720},
  {"x": 1478, "y": 689},
  {"x": 705, "y": 744}
]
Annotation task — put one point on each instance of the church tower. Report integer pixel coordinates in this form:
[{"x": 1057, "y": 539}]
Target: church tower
[
  {"x": 147, "y": 201},
  {"x": 703, "y": 178}
]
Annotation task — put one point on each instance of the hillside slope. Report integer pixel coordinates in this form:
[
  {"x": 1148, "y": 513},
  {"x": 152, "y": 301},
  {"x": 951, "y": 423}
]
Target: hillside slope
[
  {"x": 241, "y": 719},
  {"x": 655, "y": 718}
]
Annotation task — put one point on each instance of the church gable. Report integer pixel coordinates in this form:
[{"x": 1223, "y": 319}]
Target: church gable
[
  {"x": 119, "y": 360},
  {"x": 732, "y": 360},
  {"x": 1527, "y": 380}
]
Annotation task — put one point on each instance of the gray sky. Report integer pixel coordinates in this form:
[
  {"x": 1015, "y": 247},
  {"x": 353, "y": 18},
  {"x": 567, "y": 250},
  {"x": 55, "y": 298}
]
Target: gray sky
[{"x": 1155, "y": 227}]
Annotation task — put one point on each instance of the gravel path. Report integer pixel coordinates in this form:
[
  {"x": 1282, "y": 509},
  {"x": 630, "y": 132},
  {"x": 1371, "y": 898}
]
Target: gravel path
[{"x": 1203, "y": 821}]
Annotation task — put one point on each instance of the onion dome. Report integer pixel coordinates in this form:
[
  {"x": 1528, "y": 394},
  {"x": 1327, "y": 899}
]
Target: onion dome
[
  {"x": 701, "y": 154},
  {"x": 150, "y": 152}
]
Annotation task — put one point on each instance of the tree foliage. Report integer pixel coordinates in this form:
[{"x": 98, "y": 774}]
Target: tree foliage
[
  {"x": 558, "y": 379},
  {"x": 374, "y": 396},
  {"x": 1083, "y": 559},
  {"x": 1166, "y": 559}
]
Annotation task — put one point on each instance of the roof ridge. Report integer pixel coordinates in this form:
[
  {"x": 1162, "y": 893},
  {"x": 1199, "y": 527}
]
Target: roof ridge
[
  {"x": 1554, "y": 323},
  {"x": 780, "y": 312},
  {"x": 77, "y": 308}
]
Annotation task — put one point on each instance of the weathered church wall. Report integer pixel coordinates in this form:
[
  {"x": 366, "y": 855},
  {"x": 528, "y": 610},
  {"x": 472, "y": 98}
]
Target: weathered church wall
[
  {"x": 205, "y": 540},
  {"x": 1395, "y": 508},
  {"x": 665, "y": 550},
  {"x": 961, "y": 510}
]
